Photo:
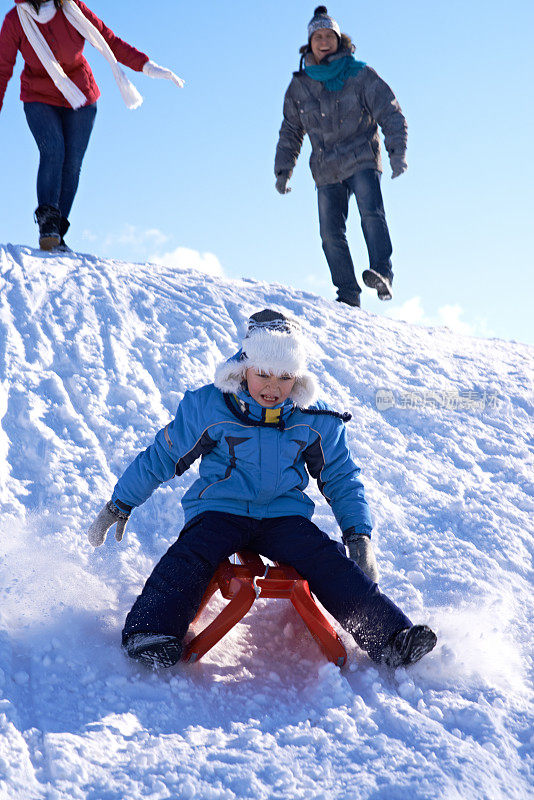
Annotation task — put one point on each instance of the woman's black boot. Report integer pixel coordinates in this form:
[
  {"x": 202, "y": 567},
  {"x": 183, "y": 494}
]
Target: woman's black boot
[
  {"x": 48, "y": 218},
  {"x": 64, "y": 225}
]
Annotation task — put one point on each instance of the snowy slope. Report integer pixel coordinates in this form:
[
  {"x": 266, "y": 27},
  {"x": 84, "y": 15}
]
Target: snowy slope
[{"x": 94, "y": 357}]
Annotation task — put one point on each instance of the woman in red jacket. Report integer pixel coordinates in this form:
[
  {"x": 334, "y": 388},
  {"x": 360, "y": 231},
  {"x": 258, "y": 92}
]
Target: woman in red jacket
[{"x": 59, "y": 94}]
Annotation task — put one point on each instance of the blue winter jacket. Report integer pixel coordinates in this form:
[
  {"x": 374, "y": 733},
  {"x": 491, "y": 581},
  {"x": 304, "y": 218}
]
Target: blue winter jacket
[{"x": 254, "y": 461}]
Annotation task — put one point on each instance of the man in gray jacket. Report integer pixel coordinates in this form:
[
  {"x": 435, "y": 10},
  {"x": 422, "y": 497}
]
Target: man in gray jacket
[{"x": 339, "y": 102}]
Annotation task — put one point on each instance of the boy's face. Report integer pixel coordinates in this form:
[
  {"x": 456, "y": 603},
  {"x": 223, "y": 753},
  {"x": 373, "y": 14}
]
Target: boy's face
[{"x": 267, "y": 389}]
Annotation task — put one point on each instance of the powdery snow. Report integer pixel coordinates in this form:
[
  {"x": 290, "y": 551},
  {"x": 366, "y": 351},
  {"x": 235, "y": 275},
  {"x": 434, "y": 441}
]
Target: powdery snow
[{"x": 94, "y": 357}]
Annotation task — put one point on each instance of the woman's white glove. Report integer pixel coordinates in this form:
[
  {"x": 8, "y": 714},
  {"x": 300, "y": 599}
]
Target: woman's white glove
[
  {"x": 155, "y": 71},
  {"x": 361, "y": 552},
  {"x": 109, "y": 515}
]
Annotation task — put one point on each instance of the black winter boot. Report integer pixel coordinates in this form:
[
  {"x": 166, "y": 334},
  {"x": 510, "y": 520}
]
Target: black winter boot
[
  {"x": 64, "y": 225},
  {"x": 153, "y": 649},
  {"x": 408, "y": 646},
  {"x": 382, "y": 283},
  {"x": 48, "y": 218},
  {"x": 353, "y": 301}
]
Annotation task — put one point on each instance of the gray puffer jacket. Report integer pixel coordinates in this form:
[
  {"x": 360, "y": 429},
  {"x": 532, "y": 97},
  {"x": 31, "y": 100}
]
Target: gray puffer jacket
[{"x": 342, "y": 125}]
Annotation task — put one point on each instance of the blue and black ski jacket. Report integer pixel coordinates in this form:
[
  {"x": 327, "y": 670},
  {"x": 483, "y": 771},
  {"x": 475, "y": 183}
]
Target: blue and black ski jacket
[{"x": 255, "y": 462}]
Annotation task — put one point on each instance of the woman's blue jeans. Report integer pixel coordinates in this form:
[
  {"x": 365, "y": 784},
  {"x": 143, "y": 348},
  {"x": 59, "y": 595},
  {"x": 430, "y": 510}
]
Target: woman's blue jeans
[
  {"x": 333, "y": 202},
  {"x": 62, "y": 136}
]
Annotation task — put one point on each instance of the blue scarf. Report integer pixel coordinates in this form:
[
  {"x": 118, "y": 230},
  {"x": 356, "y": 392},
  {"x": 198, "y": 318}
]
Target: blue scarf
[{"x": 334, "y": 75}]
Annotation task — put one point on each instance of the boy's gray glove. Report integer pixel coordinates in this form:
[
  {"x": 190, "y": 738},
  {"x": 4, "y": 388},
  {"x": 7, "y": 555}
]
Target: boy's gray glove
[
  {"x": 361, "y": 551},
  {"x": 109, "y": 515},
  {"x": 282, "y": 179},
  {"x": 398, "y": 165}
]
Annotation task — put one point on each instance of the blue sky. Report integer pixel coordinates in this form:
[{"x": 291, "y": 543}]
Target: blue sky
[{"x": 191, "y": 172}]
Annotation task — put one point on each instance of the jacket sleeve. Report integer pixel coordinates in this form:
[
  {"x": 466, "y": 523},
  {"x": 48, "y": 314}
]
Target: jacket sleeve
[
  {"x": 123, "y": 52},
  {"x": 329, "y": 461},
  {"x": 172, "y": 452},
  {"x": 9, "y": 45},
  {"x": 385, "y": 109},
  {"x": 290, "y": 137}
]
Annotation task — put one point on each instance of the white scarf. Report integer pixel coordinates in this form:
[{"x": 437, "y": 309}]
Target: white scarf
[{"x": 28, "y": 19}]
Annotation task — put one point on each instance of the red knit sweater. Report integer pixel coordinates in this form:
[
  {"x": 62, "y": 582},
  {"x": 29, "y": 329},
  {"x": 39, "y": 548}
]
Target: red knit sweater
[{"x": 67, "y": 45}]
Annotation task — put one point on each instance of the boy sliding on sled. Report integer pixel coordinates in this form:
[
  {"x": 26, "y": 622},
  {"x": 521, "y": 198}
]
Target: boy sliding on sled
[{"x": 258, "y": 437}]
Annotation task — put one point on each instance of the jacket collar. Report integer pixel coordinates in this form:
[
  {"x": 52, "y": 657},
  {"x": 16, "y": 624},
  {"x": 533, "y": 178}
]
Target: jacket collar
[
  {"x": 309, "y": 59},
  {"x": 245, "y": 408}
]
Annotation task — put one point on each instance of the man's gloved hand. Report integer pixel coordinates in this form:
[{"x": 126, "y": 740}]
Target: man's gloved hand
[
  {"x": 155, "y": 71},
  {"x": 282, "y": 179},
  {"x": 398, "y": 165},
  {"x": 361, "y": 551},
  {"x": 109, "y": 515}
]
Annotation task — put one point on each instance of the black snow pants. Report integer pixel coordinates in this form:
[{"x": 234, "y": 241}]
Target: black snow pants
[{"x": 174, "y": 590}]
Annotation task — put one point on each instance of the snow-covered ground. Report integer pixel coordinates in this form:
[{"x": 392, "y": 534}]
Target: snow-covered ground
[{"x": 94, "y": 357}]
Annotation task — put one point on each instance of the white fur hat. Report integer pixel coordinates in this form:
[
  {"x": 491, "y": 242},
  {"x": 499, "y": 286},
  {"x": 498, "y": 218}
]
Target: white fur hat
[{"x": 273, "y": 343}]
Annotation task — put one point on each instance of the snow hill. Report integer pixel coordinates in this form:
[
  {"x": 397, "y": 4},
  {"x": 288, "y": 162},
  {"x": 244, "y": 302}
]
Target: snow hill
[{"x": 94, "y": 357}]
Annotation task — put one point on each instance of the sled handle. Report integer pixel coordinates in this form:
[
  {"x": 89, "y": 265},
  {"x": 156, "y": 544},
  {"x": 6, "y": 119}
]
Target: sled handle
[{"x": 257, "y": 588}]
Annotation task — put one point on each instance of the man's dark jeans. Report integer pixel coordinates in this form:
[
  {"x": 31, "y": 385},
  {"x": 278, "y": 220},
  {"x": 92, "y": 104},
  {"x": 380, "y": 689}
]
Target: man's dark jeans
[
  {"x": 62, "y": 136},
  {"x": 173, "y": 592},
  {"x": 333, "y": 202}
]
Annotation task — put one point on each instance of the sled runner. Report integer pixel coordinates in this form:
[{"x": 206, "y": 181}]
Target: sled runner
[{"x": 242, "y": 584}]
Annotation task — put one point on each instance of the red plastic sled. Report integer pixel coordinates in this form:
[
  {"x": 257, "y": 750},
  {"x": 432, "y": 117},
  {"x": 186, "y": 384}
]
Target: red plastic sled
[{"x": 242, "y": 584}]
